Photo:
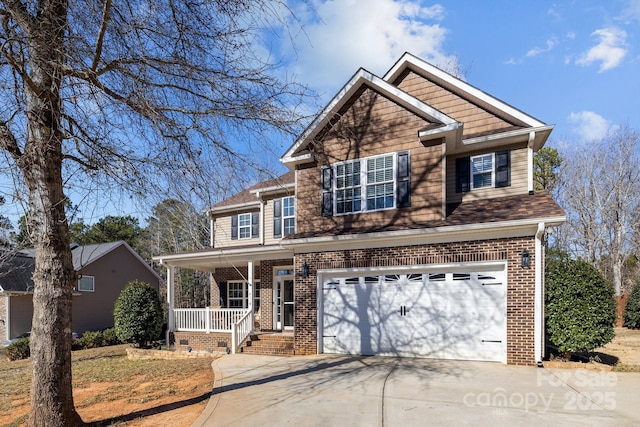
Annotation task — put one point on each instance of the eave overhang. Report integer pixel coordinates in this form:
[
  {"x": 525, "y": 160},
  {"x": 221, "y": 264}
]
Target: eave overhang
[
  {"x": 431, "y": 235},
  {"x": 534, "y": 137},
  {"x": 209, "y": 260}
]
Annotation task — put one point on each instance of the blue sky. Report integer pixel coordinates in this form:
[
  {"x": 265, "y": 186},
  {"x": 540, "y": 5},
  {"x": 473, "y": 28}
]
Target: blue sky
[{"x": 574, "y": 64}]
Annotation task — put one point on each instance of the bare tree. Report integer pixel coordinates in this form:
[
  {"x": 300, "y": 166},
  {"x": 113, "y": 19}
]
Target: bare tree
[
  {"x": 148, "y": 95},
  {"x": 600, "y": 190}
]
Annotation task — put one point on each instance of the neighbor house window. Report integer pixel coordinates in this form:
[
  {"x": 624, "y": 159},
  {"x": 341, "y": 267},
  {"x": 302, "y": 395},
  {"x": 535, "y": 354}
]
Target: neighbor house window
[
  {"x": 86, "y": 284},
  {"x": 368, "y": 184},
  {"x": 244, "y": 226}
]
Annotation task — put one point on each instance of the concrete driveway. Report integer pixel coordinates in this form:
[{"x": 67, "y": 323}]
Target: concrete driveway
[{"x": 332, "y": 390}]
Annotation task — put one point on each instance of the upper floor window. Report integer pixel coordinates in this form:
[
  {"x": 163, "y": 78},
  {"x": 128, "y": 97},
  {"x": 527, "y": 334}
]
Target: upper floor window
[
  {"x": 86, "y": 284},
  {"x": 368, "y": 184},
  {"x": 288, "y": 215},
  {"x": 245, "y": 225},
  {"x": 284, "y": 216},
  {"x": 483, "y": 171}
]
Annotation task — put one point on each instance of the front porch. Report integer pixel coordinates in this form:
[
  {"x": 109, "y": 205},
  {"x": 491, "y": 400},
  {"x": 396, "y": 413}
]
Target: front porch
[{"x": 250, "y": 291}]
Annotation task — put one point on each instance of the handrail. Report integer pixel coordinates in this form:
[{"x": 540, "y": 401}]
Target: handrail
[{"x": 241, "y": 330}]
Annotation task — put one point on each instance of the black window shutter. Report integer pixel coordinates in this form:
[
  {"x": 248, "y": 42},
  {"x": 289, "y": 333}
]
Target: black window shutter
[
  {"x": 234, "y": 227},
  {"x": 327, "y": 192},
  {"x": 222, "y": 287},
  {"x": 277, "y": 218},
  {"x": 463, "y": 174},
  {"x": 255, "y": 224},
  {"x": 403, "y": 180},
  {"x": 503, "y": 168}
]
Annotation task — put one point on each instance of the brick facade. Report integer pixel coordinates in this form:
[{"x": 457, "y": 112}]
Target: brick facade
[
  {"x": 520, "y": 284},
  {"x": 214, "y": 342}
]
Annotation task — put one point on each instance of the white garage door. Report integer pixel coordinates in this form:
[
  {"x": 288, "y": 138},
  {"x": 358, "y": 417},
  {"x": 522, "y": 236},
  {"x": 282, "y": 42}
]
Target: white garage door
[{"x": 449, "y": 314}]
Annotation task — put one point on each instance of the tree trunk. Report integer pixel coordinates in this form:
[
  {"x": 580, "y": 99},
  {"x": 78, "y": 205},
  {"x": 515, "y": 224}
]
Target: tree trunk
[{"x": 54, "y": 275}]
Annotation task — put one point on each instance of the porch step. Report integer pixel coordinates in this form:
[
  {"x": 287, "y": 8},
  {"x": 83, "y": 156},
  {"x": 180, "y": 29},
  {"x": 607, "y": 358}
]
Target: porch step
[{"x": 269, "y": 344}]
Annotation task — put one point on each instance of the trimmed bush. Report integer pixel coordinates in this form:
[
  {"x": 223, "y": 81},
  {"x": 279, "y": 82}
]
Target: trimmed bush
[
  {"x": 91, "y": 339},
  {"x": 580, "y": 308},
  {"x": 138, "y": 314},
  {"x": 19, "y": 349},
  {"x": 631, "y": 313},
  {"x": 110, "y": 337}
]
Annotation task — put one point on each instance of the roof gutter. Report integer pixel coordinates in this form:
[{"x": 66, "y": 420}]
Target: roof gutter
[{"x": 432, "y": 235}]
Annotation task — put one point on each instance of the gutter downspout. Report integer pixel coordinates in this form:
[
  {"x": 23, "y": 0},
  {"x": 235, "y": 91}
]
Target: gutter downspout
[
  {"x": 532, "y": 137},
  {"x": 211, "y": 229},
  {"x": 538, "y": 317}
]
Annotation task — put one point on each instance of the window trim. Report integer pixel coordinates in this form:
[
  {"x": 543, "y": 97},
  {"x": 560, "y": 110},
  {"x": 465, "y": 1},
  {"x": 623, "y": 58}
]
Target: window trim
[
  {"x": 492, "y": 171},
  {"x": 246, "y": 227},
  {"x": 364, "y": 184},
  {"x": 286, "y": 217},
  {"x": 93, "y": 283},
  {"x": 245, "y": 294}
]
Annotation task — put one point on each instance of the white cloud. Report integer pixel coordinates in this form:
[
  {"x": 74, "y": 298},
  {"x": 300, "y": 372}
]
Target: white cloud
[
  {"x": 610, "y": 50},
  {"x": 348, "y": 34},
  {"x": 589, "y": 126},
  {"x": 631, "y": 12},
  {"x": 551, "y": 43}
]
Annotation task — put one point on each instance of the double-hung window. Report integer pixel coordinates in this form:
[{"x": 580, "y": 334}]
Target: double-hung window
[
  {"x": 380, "y": 183},
  {"x": 288, "y": 215},
  {"x": 347, "y": 188},
  {"x": 284, "y": 216},
  {"x": 237, "y": 294},
  {"x": 244, "y": 226},
  {"x": 482, "y": 171}
]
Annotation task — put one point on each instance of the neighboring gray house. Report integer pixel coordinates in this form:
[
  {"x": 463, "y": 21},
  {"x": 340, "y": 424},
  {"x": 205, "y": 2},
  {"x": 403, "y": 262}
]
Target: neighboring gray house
[{"x": 103, "y": 271}]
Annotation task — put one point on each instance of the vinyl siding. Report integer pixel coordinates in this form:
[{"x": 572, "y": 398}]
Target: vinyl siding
[
  {"x": 519, "y": 178},
  {"x": 372, "y": 125},
  {"x": 477, "y": 121}
]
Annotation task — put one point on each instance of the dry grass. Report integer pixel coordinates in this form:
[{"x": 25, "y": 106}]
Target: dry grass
[{"x": 109, "y": 388}]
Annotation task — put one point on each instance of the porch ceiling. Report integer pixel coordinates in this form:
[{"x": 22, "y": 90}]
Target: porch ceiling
[{"x": 210, "y": 259}]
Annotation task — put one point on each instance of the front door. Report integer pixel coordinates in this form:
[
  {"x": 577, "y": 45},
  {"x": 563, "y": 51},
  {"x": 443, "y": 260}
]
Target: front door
[{"x": 283, "y": 305}]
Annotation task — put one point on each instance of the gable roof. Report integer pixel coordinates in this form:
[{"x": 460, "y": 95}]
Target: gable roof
[
  {"x": 525, "y": 126},
  {"x": 16, "y": 271},
  {"x": 442, "y": 123},
  {"x": 250, "y": 197},
  {"x": 458, "y": 86}
]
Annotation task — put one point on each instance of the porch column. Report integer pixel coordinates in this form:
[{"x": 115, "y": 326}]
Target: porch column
[
  {"x": 250, "y": 287},
  {"x": 170, "y": 302}
]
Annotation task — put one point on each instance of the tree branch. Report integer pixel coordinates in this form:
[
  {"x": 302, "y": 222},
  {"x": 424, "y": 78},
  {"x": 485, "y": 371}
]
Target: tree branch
[
  {"x": 103, "y": 30},
  {"x": 8, "y": 142}
]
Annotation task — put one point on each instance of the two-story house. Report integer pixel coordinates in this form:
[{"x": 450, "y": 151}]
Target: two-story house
[{"x": 408, "y": 225}]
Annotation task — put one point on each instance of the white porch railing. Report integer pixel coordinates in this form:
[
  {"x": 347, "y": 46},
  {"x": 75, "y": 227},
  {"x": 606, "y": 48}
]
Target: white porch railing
[
  {"x": 236, "y": 321},
  {"x": 240, "y": 330}
]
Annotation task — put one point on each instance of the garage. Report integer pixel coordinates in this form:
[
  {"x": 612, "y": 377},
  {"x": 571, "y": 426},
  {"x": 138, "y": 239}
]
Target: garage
[{"x": 445, "y": 314}]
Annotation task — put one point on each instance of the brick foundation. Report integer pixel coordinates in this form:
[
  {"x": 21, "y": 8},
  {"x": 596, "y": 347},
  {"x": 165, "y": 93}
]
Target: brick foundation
[{"x": 201, "y": 341}]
